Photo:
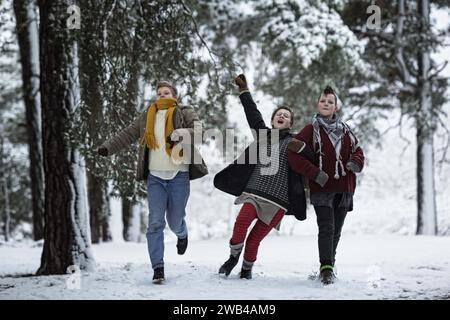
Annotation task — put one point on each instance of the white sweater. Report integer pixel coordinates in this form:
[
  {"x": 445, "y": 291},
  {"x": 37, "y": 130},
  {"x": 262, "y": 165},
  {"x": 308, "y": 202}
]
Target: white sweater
[{"x": 160, "y": 163}]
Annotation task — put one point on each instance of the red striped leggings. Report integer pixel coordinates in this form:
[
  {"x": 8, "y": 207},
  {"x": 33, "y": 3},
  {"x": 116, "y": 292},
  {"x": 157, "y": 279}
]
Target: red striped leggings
[{"x": 245, "y": 217}]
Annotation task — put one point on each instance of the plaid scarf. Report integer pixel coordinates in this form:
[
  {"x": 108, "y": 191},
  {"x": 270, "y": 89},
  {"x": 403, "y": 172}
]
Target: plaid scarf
[{"x": 335, "y": 128}]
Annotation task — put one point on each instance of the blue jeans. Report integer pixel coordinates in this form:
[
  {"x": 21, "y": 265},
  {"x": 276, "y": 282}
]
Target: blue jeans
[{"x": 169, "y": 196}]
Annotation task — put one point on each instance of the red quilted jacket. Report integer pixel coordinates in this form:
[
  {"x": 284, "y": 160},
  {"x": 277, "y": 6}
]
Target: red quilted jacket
[{"x": 310, "y": 169}]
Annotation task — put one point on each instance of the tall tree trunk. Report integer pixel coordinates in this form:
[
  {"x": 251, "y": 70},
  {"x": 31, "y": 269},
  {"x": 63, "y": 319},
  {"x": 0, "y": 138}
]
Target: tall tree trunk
[
  {"x": 99, "y": 211},
  {"x": 106, "y": 223},
  {"x": 92, "y": 74},
  {"x": 27, "y": 34},
  {"x": 126, "y": 217},
  {"x": 131, "y": 218},
  {"x": 94, "y": 210},
  {"x": 5, "y": 191},
  {"x": 129, "y": 207},
  {"x": 134, "y": 228},
  {"x": 426, "y": 195},
  {"x": 7, "y": 216},
  {"x": 67, "y": 236}
]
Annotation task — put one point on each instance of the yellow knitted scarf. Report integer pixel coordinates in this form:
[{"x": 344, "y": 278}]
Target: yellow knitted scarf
[{"x": 149, "y": 136}]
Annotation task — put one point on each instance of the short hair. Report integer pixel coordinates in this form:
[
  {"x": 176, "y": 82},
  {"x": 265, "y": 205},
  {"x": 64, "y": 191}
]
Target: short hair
[
  {"x": 286, "y": 108},
  {"x": 328, "y": 90},
  {"x": 164, "y": 83}
]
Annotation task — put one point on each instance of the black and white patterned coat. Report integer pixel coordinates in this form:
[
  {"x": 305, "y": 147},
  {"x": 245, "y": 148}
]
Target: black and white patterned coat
[{"x": 234, "y": 178}]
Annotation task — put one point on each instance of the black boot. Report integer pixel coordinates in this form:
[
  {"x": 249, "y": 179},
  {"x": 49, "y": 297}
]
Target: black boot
[
  {"x": 246, "y": 271},
  {"x": 182, "y": 245},
  {"x": 228, "y": 266},
  {"x": 235, "y": 252},
  {"x": 327, "y": 275},
  {"x": 158, "y": 275}
]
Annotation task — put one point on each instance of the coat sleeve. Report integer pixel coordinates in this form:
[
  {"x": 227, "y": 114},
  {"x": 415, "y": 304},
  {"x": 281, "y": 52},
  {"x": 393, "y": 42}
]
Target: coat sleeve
[
  {"x": 124, "y": 138},
  {"x": 192, "y": 124},
  {"x": 254, "y": 117},
  {"x": 358, "y": 157},
  {"x": 302, "y": 163}
]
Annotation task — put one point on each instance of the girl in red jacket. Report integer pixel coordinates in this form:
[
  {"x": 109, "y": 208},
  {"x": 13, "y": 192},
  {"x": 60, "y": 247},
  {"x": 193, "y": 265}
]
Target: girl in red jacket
[{"x": 331, "y": 175}]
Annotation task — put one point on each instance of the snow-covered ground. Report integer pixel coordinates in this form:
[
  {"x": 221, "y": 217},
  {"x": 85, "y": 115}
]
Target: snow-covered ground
[{"x": 369, "y": 267}]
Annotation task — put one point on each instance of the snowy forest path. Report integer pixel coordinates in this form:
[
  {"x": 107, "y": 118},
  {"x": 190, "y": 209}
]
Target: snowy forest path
[{"x": 369, "y": 267}]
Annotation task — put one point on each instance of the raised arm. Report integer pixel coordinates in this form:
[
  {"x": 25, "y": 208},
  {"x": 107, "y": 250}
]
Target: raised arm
[{"x": 254, "y": 117}]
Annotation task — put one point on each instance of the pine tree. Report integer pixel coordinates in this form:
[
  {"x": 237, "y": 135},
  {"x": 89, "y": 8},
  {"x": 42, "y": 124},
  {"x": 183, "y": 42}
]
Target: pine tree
[
  {"x": 92, "y": 49},
  {"x": 409, "y": 80},
  {"x": 27, "y": 35},
  {"x": 15, "y": 198},
  {"x": 67, "y": 236},
  {"x": 299, "y": 47}
]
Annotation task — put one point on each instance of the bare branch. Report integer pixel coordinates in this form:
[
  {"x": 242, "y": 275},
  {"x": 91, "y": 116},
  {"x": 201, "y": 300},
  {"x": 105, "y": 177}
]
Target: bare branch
[
  {"x": 197, "y": 30},
  {"x": 447, "y": 144},
  {"x": 202, "y": 40},
  {"x": 437, "y": 71},
  {"x": 375, "y": 34}
]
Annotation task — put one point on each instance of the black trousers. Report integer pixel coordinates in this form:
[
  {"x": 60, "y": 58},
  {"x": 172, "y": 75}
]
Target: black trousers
[{"x": 330, "y": 221}]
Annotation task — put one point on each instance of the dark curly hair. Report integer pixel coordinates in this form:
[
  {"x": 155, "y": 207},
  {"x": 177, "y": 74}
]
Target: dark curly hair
[{"x": 286, "y": 108}]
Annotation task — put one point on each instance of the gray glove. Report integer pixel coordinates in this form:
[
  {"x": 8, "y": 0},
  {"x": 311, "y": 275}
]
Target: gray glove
[
  {"x": 353, "y": 166},
  {"x": 321, "y": 178}
]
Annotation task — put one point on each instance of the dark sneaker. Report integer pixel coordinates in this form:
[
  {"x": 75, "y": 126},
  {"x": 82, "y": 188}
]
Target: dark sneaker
[
  {"x": 327, "y": 276},
  {"x": 246, "y": 274},
  {"x": 158, "y": 275},
  {"x": 182, "y": 245},
  {"x": 229, "y": 265}
]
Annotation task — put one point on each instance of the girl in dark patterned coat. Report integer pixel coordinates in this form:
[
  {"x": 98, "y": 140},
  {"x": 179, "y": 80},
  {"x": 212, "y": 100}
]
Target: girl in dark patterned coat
[
  {"x": 267, "y": 194},
  {"x": 332, "y": 175}
]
